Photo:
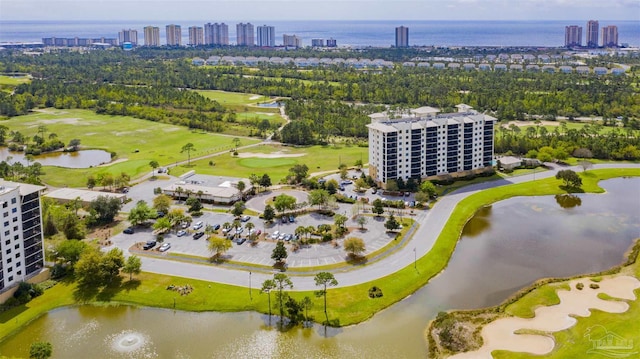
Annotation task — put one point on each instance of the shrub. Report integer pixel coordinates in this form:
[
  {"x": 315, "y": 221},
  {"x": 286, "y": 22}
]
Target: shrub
[
  {"x": 375, "y": 292},
  {"x": 196, "y": 214},
  {"x": 594, "y": 286},
  {"x": 579, "y": 286},
  {"x": 327, "y": 237}
]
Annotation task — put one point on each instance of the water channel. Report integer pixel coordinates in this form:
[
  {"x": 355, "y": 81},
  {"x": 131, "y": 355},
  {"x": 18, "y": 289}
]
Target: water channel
[
  {"x": 503, "y": 248},
  {"x": 78, "y": 159}
]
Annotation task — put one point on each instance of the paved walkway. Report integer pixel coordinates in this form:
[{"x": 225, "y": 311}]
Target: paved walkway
[{"x": 423, "y": 240}]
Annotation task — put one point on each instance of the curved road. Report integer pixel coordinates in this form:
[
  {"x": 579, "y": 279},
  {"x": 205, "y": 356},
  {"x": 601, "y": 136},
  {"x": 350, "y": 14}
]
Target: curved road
[{"x": 421, "y": 243}]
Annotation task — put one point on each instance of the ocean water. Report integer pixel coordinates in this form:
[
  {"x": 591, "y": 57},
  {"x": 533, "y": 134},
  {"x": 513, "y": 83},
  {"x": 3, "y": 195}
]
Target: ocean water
[{"x": 351, "y": 33}]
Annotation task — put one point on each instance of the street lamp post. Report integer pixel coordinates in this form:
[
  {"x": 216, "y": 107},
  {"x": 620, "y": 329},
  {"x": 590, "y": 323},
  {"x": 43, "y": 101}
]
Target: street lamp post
[
  {"x": 250, "y": 295},
  {"x": 415, "y": 259}
]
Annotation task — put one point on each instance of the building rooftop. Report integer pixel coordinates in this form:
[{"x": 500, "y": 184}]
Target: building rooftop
[
  {"x": 86, "y": 196},
  {"x": 25, "y": 188}
]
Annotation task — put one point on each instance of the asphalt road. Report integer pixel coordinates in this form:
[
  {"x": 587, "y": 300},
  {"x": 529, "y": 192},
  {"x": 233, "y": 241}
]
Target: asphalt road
[{"x": 431, "y": 224}]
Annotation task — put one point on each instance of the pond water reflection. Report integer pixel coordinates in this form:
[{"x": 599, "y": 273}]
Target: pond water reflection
[
  {"x": 78, "y": 159},
  {"x": 504, "y": 248}
]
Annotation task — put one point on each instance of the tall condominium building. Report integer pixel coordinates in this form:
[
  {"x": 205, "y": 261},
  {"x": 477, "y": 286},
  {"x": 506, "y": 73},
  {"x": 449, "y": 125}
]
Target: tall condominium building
[
  {"x": 128, "y": 36},
  {"x": 174, "y": 35},
  {"x": 332, "y": 42},
  {"x": 216, "y": 34},
  {"x": 572, "y": 36},
  {"x": 291, "y": 41},
  {"x": 244, "y": 34},
  {"x": 421, "y": 143},
  {"x": 402, "y": 36},
  {"x": 151, "y": 36},
  {"x": 592, "y": 33},
  {"x": 610, "y": 36},
  {"x": 317, "y": 42},
  {"x": 21, "y": 240},
  {"x": 266, "y": 36},
  {"x": 196, "y": 36}
]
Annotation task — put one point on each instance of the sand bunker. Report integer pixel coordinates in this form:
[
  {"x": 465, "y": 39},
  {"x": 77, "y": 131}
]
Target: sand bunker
[
  {"x": 530, "y": 123},
  {"x": 499, "y": 334},
  {"x": 270, "y": 155},
  {"x": 254, "y": 97}
]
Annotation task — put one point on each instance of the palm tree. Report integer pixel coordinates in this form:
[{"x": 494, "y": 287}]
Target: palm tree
[
  {"x": 188, "y": 148},
  {"x": 267, "y": 286}
]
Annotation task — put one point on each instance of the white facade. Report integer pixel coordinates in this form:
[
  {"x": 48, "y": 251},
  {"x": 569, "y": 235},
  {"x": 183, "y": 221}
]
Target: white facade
[
  {"x": 422, "y": 143},
  {"x": 21, "y": 240}
]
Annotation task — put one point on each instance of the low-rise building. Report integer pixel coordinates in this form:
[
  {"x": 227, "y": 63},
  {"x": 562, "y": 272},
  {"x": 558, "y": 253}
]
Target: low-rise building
[{"x": 212, "y": 189}]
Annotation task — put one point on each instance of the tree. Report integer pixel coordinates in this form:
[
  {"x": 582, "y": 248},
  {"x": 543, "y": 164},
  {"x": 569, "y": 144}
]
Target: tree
[
  {"x": 91, "y": 182},
  {"x": 269, "y": 213},
  {"x": 306, "y": 304},
  {"x": 133, "y": 265},
  {"x": 154, "y": 164},
  {"x": 318, "y": 197},
  {"x": 162, "y": 203},
  {"x": 281, "y": 281},
  {"x": 359, "y": 184},
  {"x": 163, "y": 225},
  {"x": 236, "y": 143},
  {"x": 219, "y": 245},
  {"x": 331, "y": 186},
  {"x": 110, "y": 265},
  {"x": 392, "y": 224},
  {"x": 194, "y": 204},
  {"x": 267, "y": 286},
  {"x": 585, "y": 165},
  {"x": 428, "y": 188},
  {"x": 378, "y": 207},
  {"x": 265, "y": 181},
  {"x": 106, "y": 208},
  {"x": 359, "y": 164},
  {"x": 299, "y": 172},
  {"x": 241, "y": 186},
  {"x": 279, "y": 252},
  {"x": 354, "y": 246},
  {"x": 40, "y": 350},
  {"x": 74, "y": 143},
  {"x": 340, "y": 220},
  {"x": 570, "y": 178},
  {"x": 87, "y": 269},
  {"x": 238, "y": 209},
  {"x": 70, "y": 251},
  {"x": 140, "y": 213},
  {"x": 284, "y": 202},
  {"x": 361, "y": 220},
  {"x": 324, "y": 280},
  {"x": 188, "y": 148}
]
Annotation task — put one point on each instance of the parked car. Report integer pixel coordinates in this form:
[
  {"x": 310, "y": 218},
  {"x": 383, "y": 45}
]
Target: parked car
[
  {"x": 241, "y": 240},
  {"x": 160, "y": 214},
  {"x": 197, "y": 235},
  {"x": 181, "y": 233},
  {"x": 149, "y": 245},
  {"x": 164, "y": 247},
  {"x": 275, "y": 235},
  {"x": 292, "y": 219},
  {"x": 125, "y": 190},
  {"x": 128, "y": 231},
  {"x": 216, "y": 227},
  {"x": 284, "y": 219},
  {"x": 184, "y": 225},
  {"x": 288, "y": 237},
  {"x": 245, "y": 218},
  {"x": 227, "y": 230},
  {"x": 282, "y": 236},
  {"x": 239, "y": 230},
  {"x": 374, "y": 190},
  {"x": 341, "y": 188},
  {"x": 346, "y": 182},
  {"x": 258, "y": 232},
  {"x": 197, "y": 226}
]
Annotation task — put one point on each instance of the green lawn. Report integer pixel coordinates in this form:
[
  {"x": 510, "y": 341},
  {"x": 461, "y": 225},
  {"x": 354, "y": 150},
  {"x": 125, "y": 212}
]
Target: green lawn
[
  {"x": 13, "y": 80},
  {"x": 121, "y": 134},
  {"x": 245, "y": 107},
  {"x": 347, "y": 305},
  {"x": 317, "y": 158},
  {"x": 233, "y": 98}
]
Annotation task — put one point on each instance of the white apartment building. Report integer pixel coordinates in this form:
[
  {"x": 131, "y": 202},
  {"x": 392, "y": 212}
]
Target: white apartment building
[
  {"x": 421, "y": 143},
  {"x": 266, "y": 36},
  {"x": 21, "y": 239}
]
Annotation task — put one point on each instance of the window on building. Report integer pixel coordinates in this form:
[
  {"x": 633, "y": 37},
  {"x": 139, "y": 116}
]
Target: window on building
[
  {"x": 6, "y": 224},
  {"x": 13, "y": 201},
  {"x": 14, "y": 210},
  {"x": 6, "y": 214}
]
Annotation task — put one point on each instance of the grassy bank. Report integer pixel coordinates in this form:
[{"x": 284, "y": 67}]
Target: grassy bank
[{"x": 348, "y": 305}]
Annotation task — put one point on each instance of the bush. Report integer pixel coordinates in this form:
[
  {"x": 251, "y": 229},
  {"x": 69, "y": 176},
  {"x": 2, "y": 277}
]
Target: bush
[
  {"x": 157, "y": 190},
  {"x": 58, "y": 271},
  {"x": 327, "y": 237},
  {"x": 344, "y": 199},
  {"x": 579, "y": 286},
  {"x": 196, "y": 214},
  {"x": 594, "y": 286},
  {"x": 375, "y": 292}
]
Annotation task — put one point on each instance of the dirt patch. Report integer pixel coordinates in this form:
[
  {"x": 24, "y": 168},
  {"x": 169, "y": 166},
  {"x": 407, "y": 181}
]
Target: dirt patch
[
  {"x": 255, "y": 97},
  {"x": 113, "y": 162}
]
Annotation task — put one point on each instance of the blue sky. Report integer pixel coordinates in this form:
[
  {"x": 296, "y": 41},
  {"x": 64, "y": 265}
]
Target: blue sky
[{"x": 252, "y": 10}]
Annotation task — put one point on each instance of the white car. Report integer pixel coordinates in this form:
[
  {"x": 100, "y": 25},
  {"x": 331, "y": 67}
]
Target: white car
[
  {"x": 275, "y": 235},
  {"x": 181, "y": 233},
  {"x": 165, "y": 247},
  {"x": 197, "y": 226}
]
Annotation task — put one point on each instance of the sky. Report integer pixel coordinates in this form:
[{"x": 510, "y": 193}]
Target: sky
[{"x": 252, "y": 10}]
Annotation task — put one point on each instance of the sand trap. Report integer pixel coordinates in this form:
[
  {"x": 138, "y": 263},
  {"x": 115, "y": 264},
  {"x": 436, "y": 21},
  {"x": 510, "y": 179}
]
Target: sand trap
[
  {"x": 270, "y": 155},
  {"x": 255, "y": 97},
  {"x": 499, "y": 334}
]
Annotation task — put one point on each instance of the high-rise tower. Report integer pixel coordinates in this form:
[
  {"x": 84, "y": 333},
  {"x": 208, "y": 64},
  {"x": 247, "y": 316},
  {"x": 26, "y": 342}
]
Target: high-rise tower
[
  {"x": 402, "y": 36},
  {"x": 196, "y": 36},
  {"x": 174, "y": 35},
  {"x": 128, "y": 36},
  {"x": 610, "y": 36},
  {"x": 151, "y": 36},
  {"x": 266, "y": 36},
  {"x": 592, "y": 33},
  {"x": 244, "y": 33},
  {"x": 572, "y": 36},
  {"x": 216, "y": 34}
]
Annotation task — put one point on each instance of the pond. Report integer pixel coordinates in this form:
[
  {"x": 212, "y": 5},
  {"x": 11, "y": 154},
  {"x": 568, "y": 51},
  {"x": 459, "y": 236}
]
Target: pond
[
  {"x": 78, "y": 159},
  {"x": 269, "y": 104},
  {"x": 503, "y": 248}
]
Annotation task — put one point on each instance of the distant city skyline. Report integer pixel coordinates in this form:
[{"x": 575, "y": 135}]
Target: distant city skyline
[{"x": 257, "y": 11}]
